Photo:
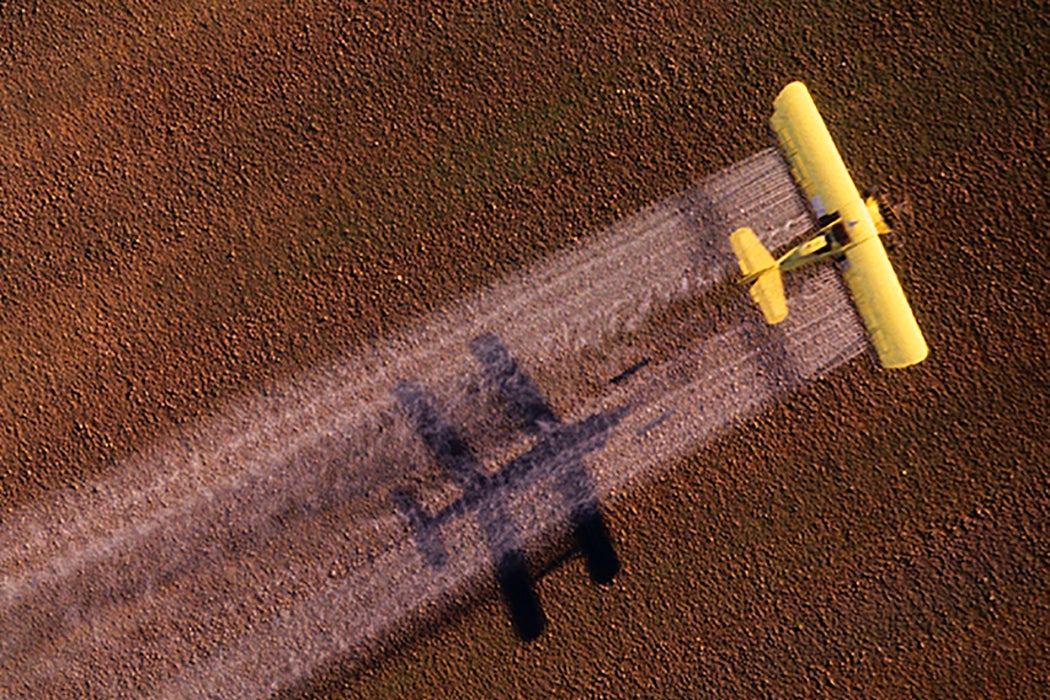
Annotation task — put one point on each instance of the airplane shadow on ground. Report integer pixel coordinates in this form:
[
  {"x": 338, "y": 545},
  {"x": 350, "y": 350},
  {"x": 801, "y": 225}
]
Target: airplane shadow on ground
[{"x": 559, "y": 450}]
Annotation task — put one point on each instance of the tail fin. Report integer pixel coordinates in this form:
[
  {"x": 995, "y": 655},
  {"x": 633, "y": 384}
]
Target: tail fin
[{"x": 758, "y": 265}]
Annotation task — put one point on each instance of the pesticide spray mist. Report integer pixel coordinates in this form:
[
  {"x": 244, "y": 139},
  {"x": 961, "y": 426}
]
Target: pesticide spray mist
[{"x": 249, "y": 551}]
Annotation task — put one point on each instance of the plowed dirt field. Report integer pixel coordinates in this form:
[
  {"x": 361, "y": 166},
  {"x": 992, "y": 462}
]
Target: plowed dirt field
[{"x": 201, "y": 203}]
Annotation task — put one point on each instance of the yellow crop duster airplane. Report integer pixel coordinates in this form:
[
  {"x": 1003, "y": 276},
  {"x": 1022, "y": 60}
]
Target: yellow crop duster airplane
[{"x": 849, "y": 233}]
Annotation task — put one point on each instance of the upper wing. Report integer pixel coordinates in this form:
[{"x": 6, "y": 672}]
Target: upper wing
[{"x": 823, "y": 178}]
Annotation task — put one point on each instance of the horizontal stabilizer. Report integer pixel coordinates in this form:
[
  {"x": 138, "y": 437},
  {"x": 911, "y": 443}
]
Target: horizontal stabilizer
[
  {"x": 768, "y": 293},
  {"x": 758, "y": 264},
  {"x": 753, "y": 256}
]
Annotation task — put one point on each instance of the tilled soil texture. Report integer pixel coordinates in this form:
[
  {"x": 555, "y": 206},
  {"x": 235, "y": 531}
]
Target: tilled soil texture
[{"x": 199, "y": 201}]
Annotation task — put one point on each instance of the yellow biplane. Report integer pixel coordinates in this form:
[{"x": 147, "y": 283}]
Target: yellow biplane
[{"x": 849, "y": 229}]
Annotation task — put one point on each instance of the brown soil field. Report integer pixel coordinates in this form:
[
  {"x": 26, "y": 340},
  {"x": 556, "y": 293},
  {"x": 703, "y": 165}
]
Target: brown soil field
[{"x": 198, "y": 199}]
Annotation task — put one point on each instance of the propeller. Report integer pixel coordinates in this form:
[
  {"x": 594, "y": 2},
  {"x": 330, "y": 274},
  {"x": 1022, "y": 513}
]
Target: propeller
[{"x": 898, "y": 216}]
